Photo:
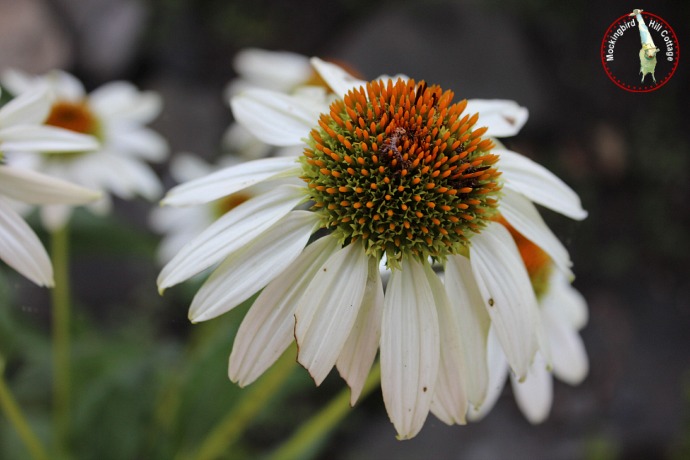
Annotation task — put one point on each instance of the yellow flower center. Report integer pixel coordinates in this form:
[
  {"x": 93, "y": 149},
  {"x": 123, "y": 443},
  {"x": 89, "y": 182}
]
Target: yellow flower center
[
  {"x": 398, "y": 165},
  {"x": 74, "y": 116}
]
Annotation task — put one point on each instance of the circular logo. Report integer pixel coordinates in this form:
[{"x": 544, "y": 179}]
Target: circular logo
[{"x": 640, "y": 52}]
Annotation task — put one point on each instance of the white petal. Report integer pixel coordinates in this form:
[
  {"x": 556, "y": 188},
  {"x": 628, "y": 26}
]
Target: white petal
[
  {"x": 543, "y": 341},
  {"x": 507, "y": 293},
  {"x": 498, "y": 374},
  {"x": 503, "y": 117},
  {"x": 21, "y": 249},
  {"x": 122, "y": 101},
  {"x": 473, "y": 324},
  {"x": 360, "y": 349},
  {"x": 238, "y": 140},
  {"x": 274, "y": 118},
  {"x": 65, "y": 86},
  {"x": 142, "y": 143},
  {"x": 449, "y": 401},
  {"x": 230, "y": 180},
  {"x": 230, "y": 232},
  {"x": 269, "y": 327},
  {"x": 17, "y": 81},
  {"x": 55, "y": 216},
  {"x": 249, "y": 268},
  {"x": 523, "y": 216},
  {"x": 279, "y": 70},
  {"x": 31, "y": 107},
  {"x": 187, "y": 166},
  {"x": 35, "y": 188},
  {"x": 569, "y": 357},
  {"x": 328, "y": 310},
  {"x": 337, "y": 79},
  {"x": 535, "y": 394},
  {"x": 571, "y": 304},
  {"x": 539, "y": 184},
  {"x": 41, "y": 138},
  {"x": 122, "y": 175},
  {"x": 410, "y": 348}
]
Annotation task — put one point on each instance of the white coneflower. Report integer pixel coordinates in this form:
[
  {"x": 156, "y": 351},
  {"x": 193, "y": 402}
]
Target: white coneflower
[
  {"x": 115, "y": 114},
  {"x": 563, "y": 312},
  {"x": 20, "y": 129},
  {"x": 392, "y": 169}
]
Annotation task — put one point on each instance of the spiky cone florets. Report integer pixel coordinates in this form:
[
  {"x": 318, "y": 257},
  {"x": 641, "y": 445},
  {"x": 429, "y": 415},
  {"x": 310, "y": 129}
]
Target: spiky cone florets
[{"x": 398, "y": 165}]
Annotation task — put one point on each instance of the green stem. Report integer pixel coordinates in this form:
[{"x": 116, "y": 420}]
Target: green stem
[
  {"x": 18, "y": 420},
  {"x": 206, "y": 338},
  {"x": 236, "y": 421},
  {"x": 303, "y": 443},
  {"x": 61, "y": 337}
]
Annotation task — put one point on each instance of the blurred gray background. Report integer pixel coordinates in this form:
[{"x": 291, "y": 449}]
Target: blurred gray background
[{"x": 627, "y": 155}]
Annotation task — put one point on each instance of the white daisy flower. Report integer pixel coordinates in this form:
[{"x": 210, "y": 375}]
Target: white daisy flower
[
  {"x": 394, "y": 169},
  {"x": 115, "y": 114},
  {"x": 563, "y": 313},
  {"x": 20, "y": 129},
  {"x": 21, "y": 126}
]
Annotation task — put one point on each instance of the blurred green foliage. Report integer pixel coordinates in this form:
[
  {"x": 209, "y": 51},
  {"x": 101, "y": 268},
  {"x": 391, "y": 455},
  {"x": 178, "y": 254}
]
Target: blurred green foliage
[{"x": 139, "y": 390}]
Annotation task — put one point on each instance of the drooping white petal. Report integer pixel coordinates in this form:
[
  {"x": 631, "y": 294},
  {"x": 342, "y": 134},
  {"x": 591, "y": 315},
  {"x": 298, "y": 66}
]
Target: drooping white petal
[
  {"x": 473, "y": 324},
  {"x": 35, "y": 188},
  {"x": 360, "y": 349},
  {"x": 21, "y": 249},
  {"x": 410, "y": 348},
  {"x": 278, "y": 70},
  {"x": 449, "y": 401},
  {"x": 41, "y": 138},
  {"x": 250, "y": 267},
  {"x": 507, "y": 292},
  {"x": 275, "y": 118},
  {"x": 498, "y": 374},
  {"x": 55, "y": 216},
  {"x": 269, "y": 326},
  {"x": 17, "y": 81},
  {"x": 122, "y": 101},
  {"x": 65, "y": 86},
  {"x": 569, "y": 357},
  {"x": 328, "y": 310},
  {"x": 122, "y": 175},
  {"x": 231, "y": 231},
  {"x": 187, "y": 166},
  {"x": 167, "y": 221},
  {"x": 543, "y": 340},
  {"x": 138, "y": 142},
  {"x": 337, "y": 79},
  {"x": 503, "y": 117},
  {"x": 535, "y": 394},
  {"x": 230, "y": 180},
  {"x": 30, "y": 108},
  {"x": 237, "y": 139},
  {"x": 572, "y": 305},
  {"x": 524, "y": 217},
  {"x": 538, "y": 184}
]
